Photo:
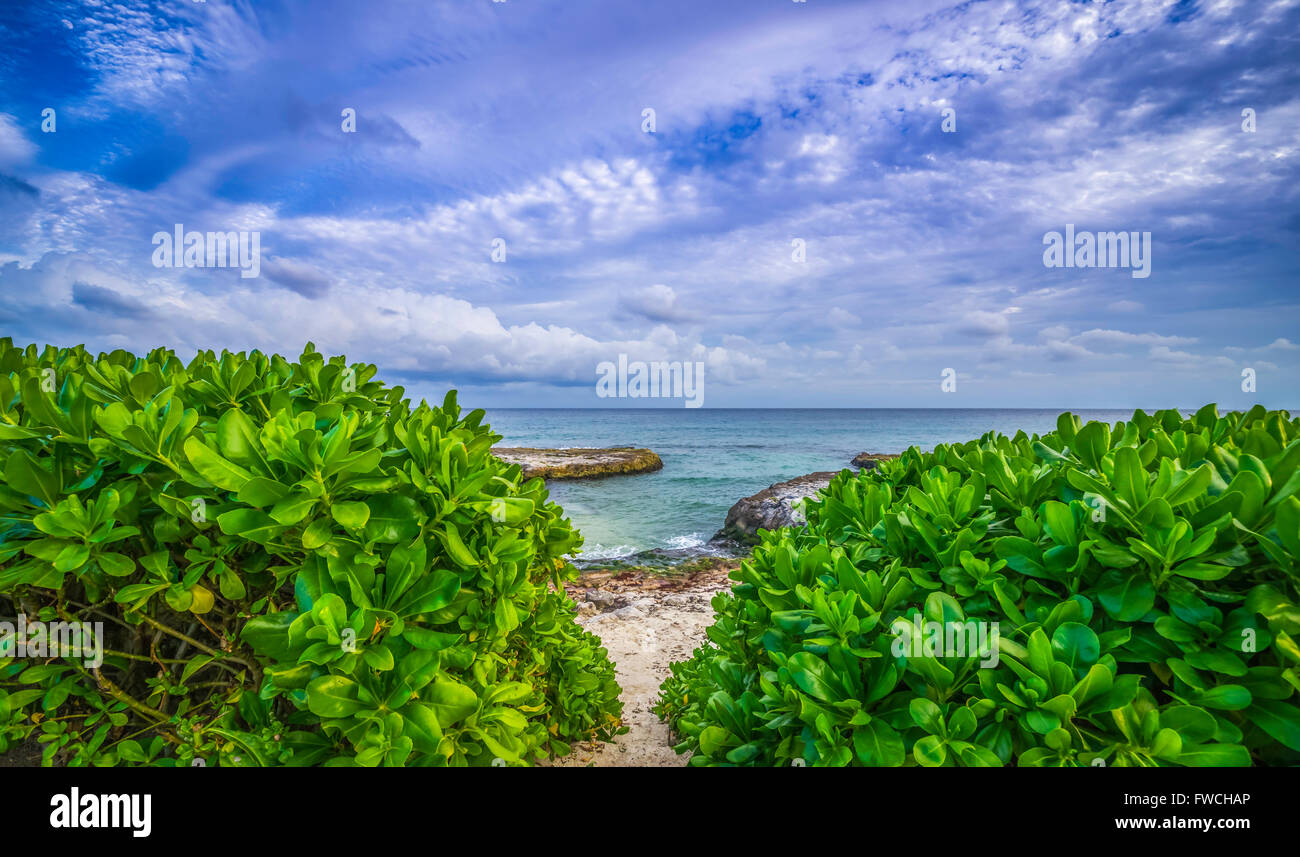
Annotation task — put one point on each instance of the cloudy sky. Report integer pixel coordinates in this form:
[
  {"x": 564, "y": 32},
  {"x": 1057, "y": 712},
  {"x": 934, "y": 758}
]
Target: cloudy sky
[{"x": 777, "y": 126}]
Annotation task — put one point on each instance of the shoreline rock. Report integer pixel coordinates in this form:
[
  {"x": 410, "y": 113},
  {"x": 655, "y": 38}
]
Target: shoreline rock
[
  {"x": 871, "y": 460},
  {"x": 579, "y": 463},
  {"x": 771, "y": 508}
]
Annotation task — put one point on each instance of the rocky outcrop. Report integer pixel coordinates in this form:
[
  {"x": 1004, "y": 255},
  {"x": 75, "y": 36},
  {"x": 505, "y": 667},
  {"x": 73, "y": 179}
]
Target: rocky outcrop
[
  {"x": 579, "y": 463},
  {"x": 871, "y": 460},
  {"x": 771, "y": 508}
]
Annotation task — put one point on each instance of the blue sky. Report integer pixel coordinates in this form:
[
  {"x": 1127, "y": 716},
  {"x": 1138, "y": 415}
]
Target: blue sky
[{"x": 775, "y": 122}]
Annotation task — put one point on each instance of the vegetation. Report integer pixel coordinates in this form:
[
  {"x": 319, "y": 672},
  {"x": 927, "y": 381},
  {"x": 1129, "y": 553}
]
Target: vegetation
[
  {"x": 292, "y": 566},
  {"x": 1142, "y": 579}
]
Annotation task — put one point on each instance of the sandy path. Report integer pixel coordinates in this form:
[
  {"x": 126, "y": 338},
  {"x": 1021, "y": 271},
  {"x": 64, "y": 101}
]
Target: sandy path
[{"x": 645, "y": 624}]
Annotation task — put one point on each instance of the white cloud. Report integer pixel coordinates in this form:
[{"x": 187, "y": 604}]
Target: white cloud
[
  {"x": 15, "y": 148},
  {"x": 817, "y": 122},
  {"x": 982, "y": 323},
  {"x": 657, "y": 303},
  {"x": 1121, "y": 337}
]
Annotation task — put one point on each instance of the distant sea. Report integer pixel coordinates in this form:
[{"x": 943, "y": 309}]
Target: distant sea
[{"x": 712, "y": 458}]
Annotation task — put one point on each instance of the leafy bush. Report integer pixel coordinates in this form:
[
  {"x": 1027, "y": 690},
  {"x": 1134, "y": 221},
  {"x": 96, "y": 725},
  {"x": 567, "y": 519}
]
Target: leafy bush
[
  {"x": 1142, "y": 578},
  {"x": 292, "y": 566}
]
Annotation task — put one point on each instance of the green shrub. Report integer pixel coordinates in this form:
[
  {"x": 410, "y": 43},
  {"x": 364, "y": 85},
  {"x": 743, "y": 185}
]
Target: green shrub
[
  {"x": 291, "y": 566},
  {"x": 1142, "y": 577}
]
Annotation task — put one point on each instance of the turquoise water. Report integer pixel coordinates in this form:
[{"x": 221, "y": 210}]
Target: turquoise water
[{"x": 712, "y": 458}]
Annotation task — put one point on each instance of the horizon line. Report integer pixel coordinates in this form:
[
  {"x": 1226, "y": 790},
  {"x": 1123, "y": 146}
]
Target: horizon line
[{"x": 893, "y": 408}]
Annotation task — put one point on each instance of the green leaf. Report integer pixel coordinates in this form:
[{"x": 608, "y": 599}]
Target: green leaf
[
  {"x": 1076, "y": 644},
  {"x": 260, "y": 491},
  {"x": 926, "y": 714},
  {"x": 213, "y": 467},
  {"x": 744, "y": 753},
  {"x": 1195, "y": 725},
  {"x": 334, "y": 696},
  {"x": 131, "y": 751},
  {"x": 317, "y": 534},
  {"x": 292, "y": 509},
  {"x": 379, "y": 657},
  {"x": 930, "y": 751},
  {"x": 1040, "y": 653},
  {"x": 352, "y": 515},
  {"x": 1091, "y": 444},
  {"x": 72, "y": 557},
  {"x": 1280, "y": 719},
  {"x": 1098, "y": 680},
  {"x": 431, "y": 592},
  {"x": 877, "y": 745},
  {"x": 1130, "y": 479},
  {"x": 1225, "y": 697},
  {"x": 137, "y": 592},
  {"x": 713, "y": 739},
  {"x": 237, "y": 438},
  {"x": 813, "y": 676},
  {"x": 1213, "y": 756},
  {"x": 201, "y": 599},
  {"x": 511, "y": 511},
  {"x": 1121, "y": 692},
  {"x": 268, "y": 635},
  {"x": 1191, "y": 487},
  {"x": 251, "y": 524},
  {"x": 1287, "y": 521},
  {"x": 394, "y": 519},
  {"x": 423, "y": 726},
  {"x": 456, "y": 548},
  {"x": 1168, "y": 744},
  {"x": 232, "y": 588},
  {"x": 1126, "y": 596},
  {"x": 451, "y": 701},
  {"x": 1046, "y": 453},
  {"x": 24, "y": 474},
  {"x": 1175, "y": 629},
  {"x": 116, "y": 564},
  {"x": 1059, "y": 520}
]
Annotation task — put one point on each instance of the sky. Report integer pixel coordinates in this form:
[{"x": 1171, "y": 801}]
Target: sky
[{"x": 827, "y": 204}]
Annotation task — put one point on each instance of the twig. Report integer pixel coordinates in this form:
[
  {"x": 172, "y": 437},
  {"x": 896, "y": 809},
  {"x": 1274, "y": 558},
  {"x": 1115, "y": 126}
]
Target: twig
[
  {"x": 130, "y": 702},
  {"x": 201, "y": 646}
]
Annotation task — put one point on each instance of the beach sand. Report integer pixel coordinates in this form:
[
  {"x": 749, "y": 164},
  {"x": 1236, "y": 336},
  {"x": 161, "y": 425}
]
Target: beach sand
[{"x": 647, "y": 620}]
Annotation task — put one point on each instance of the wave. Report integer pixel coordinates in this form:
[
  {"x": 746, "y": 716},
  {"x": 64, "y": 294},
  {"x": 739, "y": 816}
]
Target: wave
[
  {"x": 601, "y": 552},
  {"x": 693, "y": 540}
]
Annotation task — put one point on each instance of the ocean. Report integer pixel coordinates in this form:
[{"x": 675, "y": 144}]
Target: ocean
[{"x": 714, "y": 457}]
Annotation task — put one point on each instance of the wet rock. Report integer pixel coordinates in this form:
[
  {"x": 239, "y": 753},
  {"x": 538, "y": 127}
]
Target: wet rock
[
  {"x": 771, "y": 508},
  {"x": 871, "y": 460}
]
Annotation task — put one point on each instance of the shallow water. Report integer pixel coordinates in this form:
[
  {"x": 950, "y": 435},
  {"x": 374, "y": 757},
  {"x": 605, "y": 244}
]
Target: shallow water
[{"x": 712, "y": 458}]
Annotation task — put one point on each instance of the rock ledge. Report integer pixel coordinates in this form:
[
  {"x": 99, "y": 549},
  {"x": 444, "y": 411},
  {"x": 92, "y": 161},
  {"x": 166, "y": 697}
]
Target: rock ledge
[{"x": 579, "y": 463}]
